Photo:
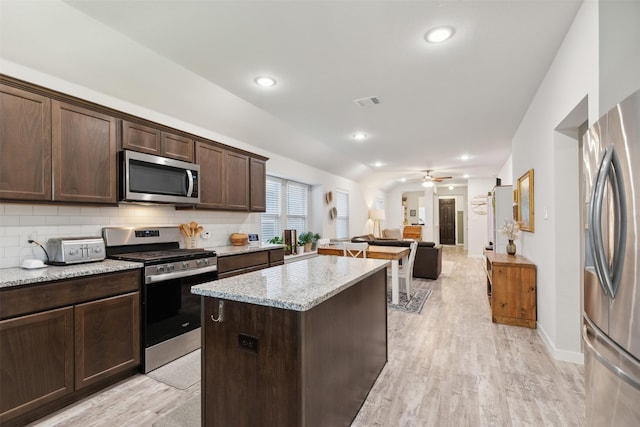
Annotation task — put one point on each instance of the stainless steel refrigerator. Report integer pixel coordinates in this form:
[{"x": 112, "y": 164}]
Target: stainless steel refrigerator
[{"x": 611, "y": 321}]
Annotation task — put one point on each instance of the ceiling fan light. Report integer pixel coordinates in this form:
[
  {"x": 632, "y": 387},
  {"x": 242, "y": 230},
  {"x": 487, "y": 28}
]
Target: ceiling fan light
[{"x": 427, "y": 184}]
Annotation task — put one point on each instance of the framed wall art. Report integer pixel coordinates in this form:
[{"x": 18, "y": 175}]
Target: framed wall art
[{"x": 525, "y": 202}]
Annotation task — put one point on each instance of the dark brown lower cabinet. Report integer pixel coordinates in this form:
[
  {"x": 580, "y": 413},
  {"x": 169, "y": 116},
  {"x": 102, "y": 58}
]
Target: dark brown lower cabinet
[
  {"x": 107, "y": 337},
  {"x": 51, "y": 356},
  {"x": 36, "y": 361},
  {"x": 269, "y": 366},
  {"x": 233, "y": 265}
]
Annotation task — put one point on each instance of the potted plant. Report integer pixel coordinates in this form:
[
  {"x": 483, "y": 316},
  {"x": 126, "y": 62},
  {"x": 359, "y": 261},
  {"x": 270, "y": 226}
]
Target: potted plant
[{"x": 307, "y": 240}]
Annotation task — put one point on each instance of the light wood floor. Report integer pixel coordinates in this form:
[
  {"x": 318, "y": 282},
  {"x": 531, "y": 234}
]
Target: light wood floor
[{"x": 448, "y": 366}]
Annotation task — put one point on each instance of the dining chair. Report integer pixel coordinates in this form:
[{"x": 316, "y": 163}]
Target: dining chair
[
  {"x": 355, "y": 249},
  {"x": 405, "y": 272}
]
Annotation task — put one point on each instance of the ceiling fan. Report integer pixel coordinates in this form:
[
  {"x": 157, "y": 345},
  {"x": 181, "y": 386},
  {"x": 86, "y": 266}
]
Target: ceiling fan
[{"x": 429, "y": 181}]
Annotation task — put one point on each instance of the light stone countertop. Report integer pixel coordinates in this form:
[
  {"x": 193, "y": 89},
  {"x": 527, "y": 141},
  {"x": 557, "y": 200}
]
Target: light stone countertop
[
  {"x": 298, "y": 286},
  {"x": 17, "y": 276},
  {"x": 222, "y": 251}
]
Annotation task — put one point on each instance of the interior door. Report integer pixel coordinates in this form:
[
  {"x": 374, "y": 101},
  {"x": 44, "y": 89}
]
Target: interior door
[{"x": 447, "y": 221}]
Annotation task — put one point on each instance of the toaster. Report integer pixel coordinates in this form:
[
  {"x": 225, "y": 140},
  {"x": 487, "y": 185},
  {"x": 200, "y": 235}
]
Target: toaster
[{"x": 75, "y": 250}]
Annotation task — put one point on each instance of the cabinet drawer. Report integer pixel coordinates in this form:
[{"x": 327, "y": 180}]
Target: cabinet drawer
[
  {"x": 29, "y": 299},
  {"x": 243, "y": 261},
  {"x": 276, "y": 257}
]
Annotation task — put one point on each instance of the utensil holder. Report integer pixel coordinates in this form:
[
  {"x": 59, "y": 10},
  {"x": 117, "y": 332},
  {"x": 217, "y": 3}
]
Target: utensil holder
[{"x": 191, "y": 242}]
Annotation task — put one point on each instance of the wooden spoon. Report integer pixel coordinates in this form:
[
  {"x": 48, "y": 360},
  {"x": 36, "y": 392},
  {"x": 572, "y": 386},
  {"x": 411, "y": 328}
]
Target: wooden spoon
[
  {"x": 193, "y": 225},
  {"x": 185, "y": 230},
  {"x": 199, "y": 230}
]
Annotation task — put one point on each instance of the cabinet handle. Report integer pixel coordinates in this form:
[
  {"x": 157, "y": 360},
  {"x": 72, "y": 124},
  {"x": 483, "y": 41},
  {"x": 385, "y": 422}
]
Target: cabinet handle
[{"x": 220, "y": 317}]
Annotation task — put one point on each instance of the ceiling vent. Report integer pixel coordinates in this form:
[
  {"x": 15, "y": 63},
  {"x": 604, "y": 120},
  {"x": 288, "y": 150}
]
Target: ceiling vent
[{"x": 367, "y": 102}]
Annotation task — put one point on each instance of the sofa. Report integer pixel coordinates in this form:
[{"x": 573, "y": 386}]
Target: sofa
[{"x": 428, "y": 262}]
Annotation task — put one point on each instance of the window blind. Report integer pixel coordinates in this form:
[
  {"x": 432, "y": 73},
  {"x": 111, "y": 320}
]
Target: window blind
[
  {"x": 270, "y": 220},
  {"x": 297, "y": 206},
  {"x": 287, "y": 207},
  {"x": 342, "y": 219}
]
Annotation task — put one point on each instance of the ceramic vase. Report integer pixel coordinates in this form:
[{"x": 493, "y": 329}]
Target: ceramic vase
[{"x": 511, "y": 248}]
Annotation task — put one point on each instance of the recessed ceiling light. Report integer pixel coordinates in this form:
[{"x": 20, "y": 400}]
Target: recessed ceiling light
[
  {"x": 465, "y": 157},
  {"x": 439, "y": 34},
  {"x": 377, "y": 164},
  {"x": 451, "y": 187},
  {"x": 265, "y": 81},
  {"x": 466, "y": 176},
  {"x": 403, "y": 179},
  {"x": 360, "y": 136}
]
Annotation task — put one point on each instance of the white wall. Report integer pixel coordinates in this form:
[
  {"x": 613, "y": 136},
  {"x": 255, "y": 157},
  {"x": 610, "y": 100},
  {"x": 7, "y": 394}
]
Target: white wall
[
  {"x": 506, "y": 172},
  {"x": 104, "y": 67},
  {"x": 572, "y": 76}
]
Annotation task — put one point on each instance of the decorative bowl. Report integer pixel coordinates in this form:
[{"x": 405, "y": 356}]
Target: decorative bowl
[{"x": 239, "y": 239}]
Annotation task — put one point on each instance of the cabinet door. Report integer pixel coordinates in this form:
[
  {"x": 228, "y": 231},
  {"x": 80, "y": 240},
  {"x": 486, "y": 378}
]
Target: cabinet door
[
  {"x": 236, "y": 180},
  {"x": 36, "y": 354},
  {"x": 210, "y": 158},
  {"x": 177, "y": 147},
  {"x": 84, "y": 155},
  {"x": 25, "y": 145},
  {"x": 258, "y": 185},
  {"x": 107, "y": 337},
  {"x": 141, "y": 138}
]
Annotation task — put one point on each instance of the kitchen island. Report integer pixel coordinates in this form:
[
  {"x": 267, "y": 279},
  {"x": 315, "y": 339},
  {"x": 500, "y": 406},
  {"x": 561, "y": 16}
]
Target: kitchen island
[{"x": 294, "y": 345}]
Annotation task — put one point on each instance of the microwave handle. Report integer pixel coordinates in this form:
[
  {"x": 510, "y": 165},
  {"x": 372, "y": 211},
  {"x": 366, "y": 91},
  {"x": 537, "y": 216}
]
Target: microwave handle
[{"x": 189, "y": 183}]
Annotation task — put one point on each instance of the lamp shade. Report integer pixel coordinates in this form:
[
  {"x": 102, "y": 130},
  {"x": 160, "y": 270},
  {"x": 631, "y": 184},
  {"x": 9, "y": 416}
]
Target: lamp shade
[{"x": 377, "y": 214}]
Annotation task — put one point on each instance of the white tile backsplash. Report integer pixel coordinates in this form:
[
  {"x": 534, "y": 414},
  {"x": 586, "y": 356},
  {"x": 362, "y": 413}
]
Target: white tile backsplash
[{"x": 48, "y": 221}]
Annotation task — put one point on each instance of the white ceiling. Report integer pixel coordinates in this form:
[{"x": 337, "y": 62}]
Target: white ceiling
[{"x": 465, "y": 96}]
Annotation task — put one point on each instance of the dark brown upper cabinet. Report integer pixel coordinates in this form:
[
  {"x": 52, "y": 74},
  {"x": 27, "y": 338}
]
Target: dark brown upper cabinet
[
  {"x": 258, "y": 185},
  {"x": 84, "y": 155},
  {"x": 236, "y": 181},
  {"x": 230, "y": 180},
  {"x": 210, "y": 158},
  {"x": 150, "y": 140},
  {"x": 25, "y": 145}
]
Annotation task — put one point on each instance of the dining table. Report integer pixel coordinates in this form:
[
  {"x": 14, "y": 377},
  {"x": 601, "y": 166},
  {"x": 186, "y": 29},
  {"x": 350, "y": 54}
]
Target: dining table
[{"x": 391, "y": 253}]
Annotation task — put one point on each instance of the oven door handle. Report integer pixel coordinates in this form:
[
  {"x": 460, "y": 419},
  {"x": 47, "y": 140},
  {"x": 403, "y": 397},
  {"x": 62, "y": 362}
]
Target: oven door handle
[{"x": 179, "y": 274}]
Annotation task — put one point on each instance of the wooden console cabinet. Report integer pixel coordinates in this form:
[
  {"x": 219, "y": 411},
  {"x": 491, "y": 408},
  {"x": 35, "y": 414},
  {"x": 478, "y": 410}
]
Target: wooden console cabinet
[{"x": 511, "y": 288}]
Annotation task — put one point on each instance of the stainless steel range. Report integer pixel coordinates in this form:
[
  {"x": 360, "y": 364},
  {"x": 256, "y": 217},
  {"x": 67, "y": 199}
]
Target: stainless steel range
[{"x": 170, "y": 313}]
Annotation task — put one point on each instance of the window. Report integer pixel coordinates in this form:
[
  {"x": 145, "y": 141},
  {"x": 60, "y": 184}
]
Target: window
[
  {"x": 297, "y": 206},
  {"x": 270, "y": 226},
  {"x": 342, "y": 219},
  {"x": 287, "y": 208}
]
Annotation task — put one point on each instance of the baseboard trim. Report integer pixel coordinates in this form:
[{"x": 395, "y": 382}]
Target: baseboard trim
[{"x": 562, "y": 355}]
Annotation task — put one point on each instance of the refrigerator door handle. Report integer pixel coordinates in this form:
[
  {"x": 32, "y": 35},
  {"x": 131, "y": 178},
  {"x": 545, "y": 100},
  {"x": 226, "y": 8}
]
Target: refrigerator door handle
[
  {"x": 610, "y": 167},
  {"x": 588, "y": 330}
]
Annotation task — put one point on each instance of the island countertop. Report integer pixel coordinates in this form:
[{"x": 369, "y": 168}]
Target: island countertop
[{"x": 298, "y": 286}]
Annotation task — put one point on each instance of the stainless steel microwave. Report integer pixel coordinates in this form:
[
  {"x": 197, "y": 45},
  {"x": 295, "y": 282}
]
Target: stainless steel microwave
[{"x": 149, "y": 178}]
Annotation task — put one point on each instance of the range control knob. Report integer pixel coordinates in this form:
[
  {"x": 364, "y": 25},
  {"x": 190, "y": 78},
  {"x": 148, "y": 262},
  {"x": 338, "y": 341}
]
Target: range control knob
[
  {"x": 171, "y": 267},
  {"x": 160, "y": 269},
  {"x": 97, "y": 249},
  {"x": 198, "y": 262},
  {"x": 206, "y": 261},
  {"x": 185, "y": 264}
]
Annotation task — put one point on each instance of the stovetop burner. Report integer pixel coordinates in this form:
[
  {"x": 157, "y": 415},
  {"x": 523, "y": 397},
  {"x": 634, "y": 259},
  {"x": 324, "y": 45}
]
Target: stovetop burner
[{"x": 167, "y": 255}]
